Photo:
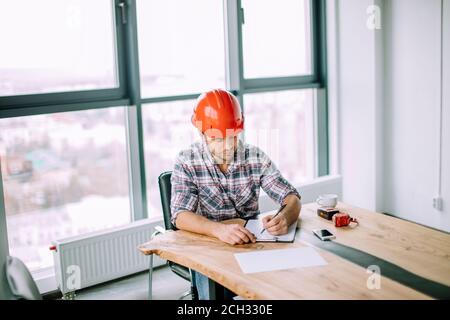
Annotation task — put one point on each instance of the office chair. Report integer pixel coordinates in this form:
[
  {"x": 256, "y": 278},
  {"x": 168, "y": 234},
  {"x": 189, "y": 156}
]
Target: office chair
[
  {"x": 165, "y": 189},
  {"x": 20, "y": 281}
]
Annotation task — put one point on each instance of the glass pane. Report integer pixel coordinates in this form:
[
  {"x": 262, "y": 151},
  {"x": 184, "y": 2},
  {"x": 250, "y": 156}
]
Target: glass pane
[
  {"x": 282, "y": 125},
  {"x": 54, "y": 46},
  {"x": 181, "y": 46},
  {"x": 167, "y": 131},
  {"x": 276, "y": 38},
  {"x": 64, "y": 174}
]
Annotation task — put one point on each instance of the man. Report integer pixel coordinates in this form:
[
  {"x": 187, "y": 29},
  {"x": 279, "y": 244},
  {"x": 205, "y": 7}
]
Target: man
[{"x": 220, "y": 177}]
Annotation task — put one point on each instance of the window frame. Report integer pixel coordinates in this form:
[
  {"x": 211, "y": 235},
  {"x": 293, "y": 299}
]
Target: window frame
[
  {"x": 79, "y": 96},
  {"x": 128, "y": 93},
  {"x": 317, "y": 80},
  {"x": 259, "y": 83}
]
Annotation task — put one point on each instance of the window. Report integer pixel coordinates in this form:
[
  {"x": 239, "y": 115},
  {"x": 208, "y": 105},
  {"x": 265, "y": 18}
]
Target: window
[
  {"x": 55, "y": 46},
  {"x": 95, "y": 95},
  {"x": 282, "y": 125},
  {"x": 64, "y": 174},
  {"x": 167, "y": 131},
  {"x": 181, "y": 46},
  {"x": 276, "y": 38}
]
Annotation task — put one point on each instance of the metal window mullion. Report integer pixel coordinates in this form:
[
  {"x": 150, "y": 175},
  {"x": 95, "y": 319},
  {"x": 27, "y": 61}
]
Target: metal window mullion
[
  {"x": 240, "y": 57},
  {"x": 136, "y": 164},
  {"x": 318, "y": 23},
  {"x": 322, "y": 132},
  {"x": 283, "y": 88},
  {"x": 191, "y": 96},
  {"x": 233, "y": 45},
  {"x": 135, "y": 139},
  {"x": 233, "y": 49},
  {"x": 57, "y": 108},
  {"x": 59, "y": 98},
  {"x": 320, "y": 67},
  {"x": 4, "y": 247},
  {"x": 269, "y": 84},
  {"x": 120, "y": 48}
]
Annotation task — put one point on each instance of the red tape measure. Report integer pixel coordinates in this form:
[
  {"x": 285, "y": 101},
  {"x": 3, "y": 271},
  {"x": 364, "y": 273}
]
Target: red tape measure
[{"x": 343, "y": 219}]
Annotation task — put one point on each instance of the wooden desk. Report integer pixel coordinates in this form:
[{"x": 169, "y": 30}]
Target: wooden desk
[{"x": 415, "y": 248}]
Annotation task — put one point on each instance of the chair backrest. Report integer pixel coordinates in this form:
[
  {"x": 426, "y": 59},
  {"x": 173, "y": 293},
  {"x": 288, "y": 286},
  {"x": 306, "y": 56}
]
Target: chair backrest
[
  {"x": 165, "y": 190},
  {"x": 20, "y": 281}
]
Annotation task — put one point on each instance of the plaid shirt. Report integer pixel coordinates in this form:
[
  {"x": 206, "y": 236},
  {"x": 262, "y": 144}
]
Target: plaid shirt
[{"x": 198, "y": 185}]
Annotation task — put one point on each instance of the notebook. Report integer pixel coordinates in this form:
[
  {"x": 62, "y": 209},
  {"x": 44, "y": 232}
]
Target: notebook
[{"x": 255, "y": 226}]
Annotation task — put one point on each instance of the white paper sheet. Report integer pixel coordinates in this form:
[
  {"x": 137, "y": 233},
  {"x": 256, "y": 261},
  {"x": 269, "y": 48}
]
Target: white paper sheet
[{"x": 280, "y": 259}]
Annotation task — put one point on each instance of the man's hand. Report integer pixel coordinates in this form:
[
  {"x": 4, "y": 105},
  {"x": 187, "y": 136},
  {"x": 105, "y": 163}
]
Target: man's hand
[
  {"x": 234, "y": 234},
  {"x": 276, "y": 226},
  {"x": 280, "y": 224}
]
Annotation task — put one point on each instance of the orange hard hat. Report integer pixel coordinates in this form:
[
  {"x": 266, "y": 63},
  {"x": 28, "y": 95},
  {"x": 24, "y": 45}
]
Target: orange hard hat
[{"x": 218, "y": 114}]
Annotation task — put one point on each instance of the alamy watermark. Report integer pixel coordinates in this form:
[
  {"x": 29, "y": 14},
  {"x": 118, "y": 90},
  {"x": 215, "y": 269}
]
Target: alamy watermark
[
  {"x": 374, "y": 280},
  {"x": 73, "y": 281},
  {"x": 374, "y": 17}
]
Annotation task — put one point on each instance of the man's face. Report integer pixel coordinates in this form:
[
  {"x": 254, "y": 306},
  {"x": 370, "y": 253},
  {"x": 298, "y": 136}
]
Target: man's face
[{"x": 222, "y": 149}]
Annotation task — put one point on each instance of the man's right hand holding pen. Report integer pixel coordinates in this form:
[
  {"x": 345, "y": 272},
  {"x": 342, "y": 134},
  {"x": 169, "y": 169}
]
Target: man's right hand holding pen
[{"x": 279, "y": 223}]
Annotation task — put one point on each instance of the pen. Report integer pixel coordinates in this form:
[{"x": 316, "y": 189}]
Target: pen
[{"x": 279, "y": 210}]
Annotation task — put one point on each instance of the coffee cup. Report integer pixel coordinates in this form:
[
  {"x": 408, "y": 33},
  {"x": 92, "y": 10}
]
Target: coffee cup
[{"x": 327, "y": 200}]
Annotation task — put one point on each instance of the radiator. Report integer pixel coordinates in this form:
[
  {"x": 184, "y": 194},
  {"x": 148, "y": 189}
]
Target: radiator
[{"x": 87, "y": 260}]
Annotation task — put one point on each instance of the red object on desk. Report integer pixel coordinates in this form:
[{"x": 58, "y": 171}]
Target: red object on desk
[{"x": 343, "y": 219}]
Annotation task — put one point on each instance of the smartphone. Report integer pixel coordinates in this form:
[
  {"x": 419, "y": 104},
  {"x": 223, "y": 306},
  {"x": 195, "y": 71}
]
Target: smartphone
[{"x": 324, "y": 234}]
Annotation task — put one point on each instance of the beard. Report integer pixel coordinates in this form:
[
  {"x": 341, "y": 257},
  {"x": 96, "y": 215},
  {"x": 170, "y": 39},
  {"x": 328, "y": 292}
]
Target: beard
[{"x": 223, "y": 158}]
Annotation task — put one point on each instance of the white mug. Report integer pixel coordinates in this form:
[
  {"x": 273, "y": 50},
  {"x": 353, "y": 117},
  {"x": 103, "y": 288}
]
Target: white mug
[{"x": 327, "y": 200}]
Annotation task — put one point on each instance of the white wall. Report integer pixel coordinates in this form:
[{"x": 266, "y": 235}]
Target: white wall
[
  {"x": 388, "y": 97},
  {"x": 412, "y": 52},
  {"x": 358, "y": 92}
]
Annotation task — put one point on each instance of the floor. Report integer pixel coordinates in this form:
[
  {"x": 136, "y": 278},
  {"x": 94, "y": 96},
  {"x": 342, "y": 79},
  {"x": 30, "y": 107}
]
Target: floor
[{"x": 166, "y": 286}]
